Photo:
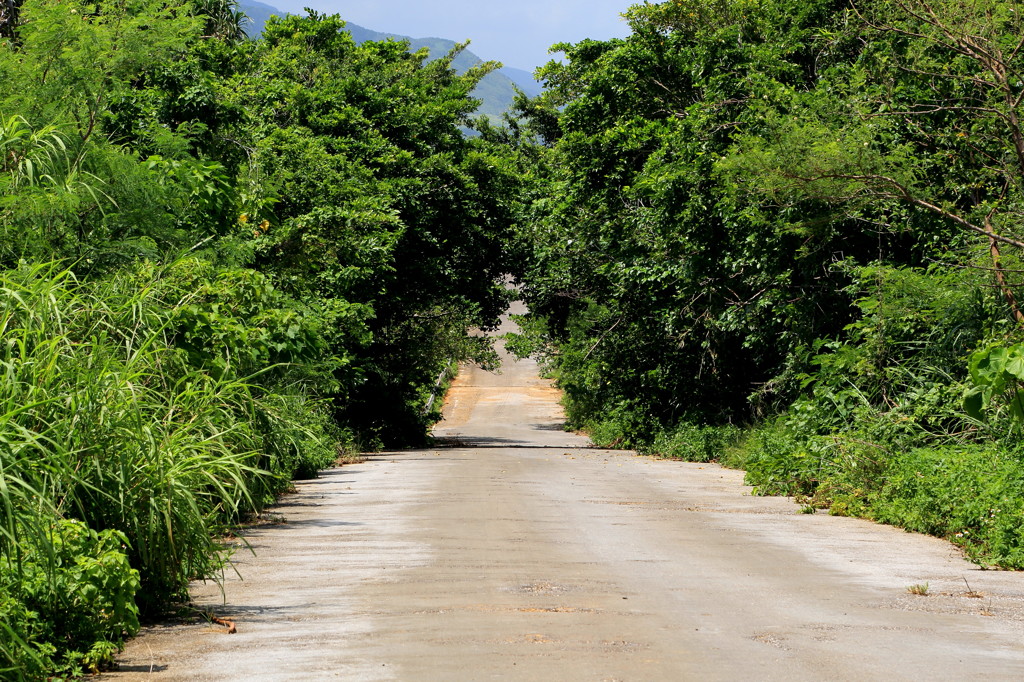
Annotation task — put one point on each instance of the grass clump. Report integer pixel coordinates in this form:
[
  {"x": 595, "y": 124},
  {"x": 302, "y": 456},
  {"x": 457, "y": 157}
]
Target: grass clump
[
  {"x": 694, "y": 443},
  {"x": 122, "y": 458},
  {"x": 920, "y": 589}
]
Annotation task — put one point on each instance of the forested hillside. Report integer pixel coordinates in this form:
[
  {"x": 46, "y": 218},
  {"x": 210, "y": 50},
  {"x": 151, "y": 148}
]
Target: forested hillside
[
  {"x": 223, "y": 264},
  {"x": 787, "y": 235}
]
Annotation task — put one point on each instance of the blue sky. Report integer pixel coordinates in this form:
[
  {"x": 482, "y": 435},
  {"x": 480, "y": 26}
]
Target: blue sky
[{"x": 516, "y": 33}]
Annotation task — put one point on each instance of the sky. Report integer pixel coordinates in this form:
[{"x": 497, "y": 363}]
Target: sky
[{"x": 517, "y": 33}]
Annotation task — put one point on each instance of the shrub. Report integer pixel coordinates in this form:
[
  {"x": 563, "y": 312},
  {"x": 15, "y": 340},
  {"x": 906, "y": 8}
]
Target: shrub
[
  {"x": 624, "y": 426},
  {"x": 67, "y": 600},
  {"x": 694, "y": 443},
  {"x": 781, "y": 462},
  {"x": 970, "y": 494},
  {"x": 121, "y": 461}
]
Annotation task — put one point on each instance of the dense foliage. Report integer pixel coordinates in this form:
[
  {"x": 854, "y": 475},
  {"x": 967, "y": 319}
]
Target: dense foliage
[
  {"x": 779, "y": 234},
  {"x": 786, "y": 235},
  {"x": 223, "y": 263}
]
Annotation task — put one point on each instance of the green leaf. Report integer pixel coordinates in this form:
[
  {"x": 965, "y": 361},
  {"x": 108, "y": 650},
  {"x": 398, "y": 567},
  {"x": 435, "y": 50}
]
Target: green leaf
[
  {"x": 974, "y": 405},
  {"x": 1014, "y": 363}
]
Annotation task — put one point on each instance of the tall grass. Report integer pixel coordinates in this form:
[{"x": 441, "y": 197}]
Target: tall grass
[{"x": 120, "y": 462}]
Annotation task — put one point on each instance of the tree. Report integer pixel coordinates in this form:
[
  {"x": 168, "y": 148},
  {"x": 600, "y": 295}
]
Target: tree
[
  {"x": 667, "y": 296},
  {"x": 9, "y": 18},
  {"x": 928, "y": 115},
  {"x": 223, "y": 19},
  {"x": 379, "y": 203}
]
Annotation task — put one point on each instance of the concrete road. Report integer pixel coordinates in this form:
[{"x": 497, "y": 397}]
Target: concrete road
[{"x": 519, "y": 553}]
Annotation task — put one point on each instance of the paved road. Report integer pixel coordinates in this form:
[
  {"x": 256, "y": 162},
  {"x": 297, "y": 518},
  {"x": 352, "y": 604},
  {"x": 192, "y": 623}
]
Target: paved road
[{"x": 521, "y": 554}]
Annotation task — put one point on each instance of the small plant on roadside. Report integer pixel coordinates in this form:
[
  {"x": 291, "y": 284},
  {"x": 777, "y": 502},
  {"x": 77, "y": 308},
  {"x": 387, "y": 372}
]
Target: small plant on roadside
[
  {"x": 971, "y": 592},
  {"x": 693, "y": 442},
  {"x": 920, "y": 589}
]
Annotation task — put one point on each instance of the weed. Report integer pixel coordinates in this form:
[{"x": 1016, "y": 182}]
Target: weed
[
  {"x": 920, "y": 589},
  {"x": 973, "y": 594},
  {"x": 694, "y": 443}
]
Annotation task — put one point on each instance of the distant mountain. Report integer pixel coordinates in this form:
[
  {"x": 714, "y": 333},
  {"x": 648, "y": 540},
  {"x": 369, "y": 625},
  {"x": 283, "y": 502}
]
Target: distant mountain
[
  {"x": 495, "y": 91},
  {"x": 524, "y": 79},
  {"x": 258, "y": 14}
]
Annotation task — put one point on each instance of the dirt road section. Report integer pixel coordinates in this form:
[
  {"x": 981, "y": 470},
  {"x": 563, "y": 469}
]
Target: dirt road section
[{"x": 521, "y": 554}]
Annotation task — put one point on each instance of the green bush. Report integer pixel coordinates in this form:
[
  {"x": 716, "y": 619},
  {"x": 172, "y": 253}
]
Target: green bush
[
  {"x": 105, "y": 420},
  {"x": 969, "y": 493},
  {"x": 780, "y": 462},
  {"x": 67, "y": 600},
  {"x": 694, "y": 443},
  {"x": 626, "y": 426},
  {"x": 972, "y": 495}
]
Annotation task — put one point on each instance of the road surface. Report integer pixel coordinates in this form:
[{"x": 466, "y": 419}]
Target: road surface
[{"x": 520, "y": 553}]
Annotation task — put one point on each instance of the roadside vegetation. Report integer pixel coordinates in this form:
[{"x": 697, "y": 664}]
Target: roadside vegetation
[
  {"x": 786, "y": 236},
  {"x": 781, "y": 235},
  {"x": 224, "y": 263}
]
